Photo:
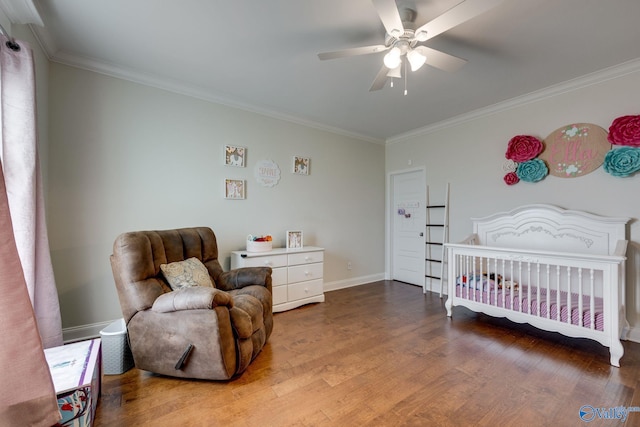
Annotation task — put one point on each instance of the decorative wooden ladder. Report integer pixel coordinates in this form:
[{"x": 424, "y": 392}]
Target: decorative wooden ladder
[{"x": 437, "y": 234}]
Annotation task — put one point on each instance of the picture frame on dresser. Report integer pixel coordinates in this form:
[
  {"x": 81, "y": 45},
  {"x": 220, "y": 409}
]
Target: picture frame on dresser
[{"x": 294, "y": 239}]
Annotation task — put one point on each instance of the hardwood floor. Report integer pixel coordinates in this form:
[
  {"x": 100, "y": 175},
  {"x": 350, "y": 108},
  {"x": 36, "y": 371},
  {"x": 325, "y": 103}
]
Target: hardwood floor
[{"x": 385, "y": 354}]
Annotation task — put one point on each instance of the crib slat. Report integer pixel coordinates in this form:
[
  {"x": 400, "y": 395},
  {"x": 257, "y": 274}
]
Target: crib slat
[
  {"x": 495, "y": 294},
  {"x": 558, "y": 293},
  {"x": 592, "y": 303},
  {"x": 569, "y": 295},
  {"x": 529, "y": 287},
  {"x": 548, "y": 292},
  {"x": 504, "y": 288},
  {"x": 580, "y": 302},
  {"x": 519, "y": 287},
  {"x": 538, "y": 286}
]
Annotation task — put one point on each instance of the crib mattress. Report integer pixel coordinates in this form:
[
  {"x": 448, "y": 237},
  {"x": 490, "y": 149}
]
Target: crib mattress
[{"x": 548, "y": 308}]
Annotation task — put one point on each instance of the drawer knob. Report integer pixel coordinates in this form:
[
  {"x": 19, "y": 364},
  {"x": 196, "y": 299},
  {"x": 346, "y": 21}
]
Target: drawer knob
[
  {"x": 267, "y": 262},
  {"x": 307, "y": 258},
  {"x": 306, "y": 290},
  {"x": 306, "y": 273}
]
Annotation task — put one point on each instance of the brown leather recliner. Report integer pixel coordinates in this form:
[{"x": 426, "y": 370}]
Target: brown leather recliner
[{"x": 193, "y": 332}]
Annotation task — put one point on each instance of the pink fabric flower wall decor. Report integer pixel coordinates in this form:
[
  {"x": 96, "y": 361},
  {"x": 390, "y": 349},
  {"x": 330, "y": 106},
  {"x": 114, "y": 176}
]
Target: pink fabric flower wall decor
[
  {"x": 625, "y": 130},
  {"x": 511, "y": 178},
  {"x": 523, "y": 147}
]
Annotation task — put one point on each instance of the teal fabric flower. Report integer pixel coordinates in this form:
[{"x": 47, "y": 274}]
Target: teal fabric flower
[
  {"x": 623, "y": 161},
  {"x": 532, "y": 170}
]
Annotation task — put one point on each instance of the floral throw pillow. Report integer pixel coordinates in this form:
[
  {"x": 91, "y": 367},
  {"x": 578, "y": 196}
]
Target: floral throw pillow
[{"x": 182, "y": 274}]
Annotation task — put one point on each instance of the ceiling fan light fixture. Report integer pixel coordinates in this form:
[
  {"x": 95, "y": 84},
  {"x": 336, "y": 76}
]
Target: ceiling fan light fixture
[
  {"x": 396, "y": 33},
  {"x": 416, "y": 59},
  {"x": 395, "y": 72},
  {"x": 392, "y": 58},
  {"x": 421, "y": 36}
]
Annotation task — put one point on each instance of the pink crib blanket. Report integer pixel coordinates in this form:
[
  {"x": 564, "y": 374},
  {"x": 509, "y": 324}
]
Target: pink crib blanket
[{"x": 517, "y": 300}]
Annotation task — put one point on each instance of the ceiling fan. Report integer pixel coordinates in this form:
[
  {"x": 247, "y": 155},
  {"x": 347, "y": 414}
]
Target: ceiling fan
[{"x": 402, "y": 39}]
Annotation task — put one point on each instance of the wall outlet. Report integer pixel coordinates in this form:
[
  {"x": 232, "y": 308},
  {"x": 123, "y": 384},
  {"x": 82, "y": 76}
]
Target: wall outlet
[{"x": 349, "y": 265}]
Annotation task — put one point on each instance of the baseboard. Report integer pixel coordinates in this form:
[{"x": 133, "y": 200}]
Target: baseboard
[
  {"x": 633, "y": 335},
  {"x": 84, "y": 332},
  {"x": 355, "y": 281}
]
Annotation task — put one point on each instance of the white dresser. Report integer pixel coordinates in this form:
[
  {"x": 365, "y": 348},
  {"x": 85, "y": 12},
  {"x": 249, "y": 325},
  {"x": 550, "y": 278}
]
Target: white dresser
[{"x": 297, "y": 274}]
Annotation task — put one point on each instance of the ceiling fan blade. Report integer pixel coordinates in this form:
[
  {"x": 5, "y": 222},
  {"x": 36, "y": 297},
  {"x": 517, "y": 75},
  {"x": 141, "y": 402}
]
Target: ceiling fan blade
[
  {"x": 353, "y": 52},
  {"x": 380, "y": 80},
  {"x": 390, "y": 17},
  {"x": 455, "y": 16},
  {"x": 441, "y": 60}
]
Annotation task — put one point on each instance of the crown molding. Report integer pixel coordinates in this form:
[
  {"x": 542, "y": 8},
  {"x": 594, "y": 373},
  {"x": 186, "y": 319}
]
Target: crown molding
[
  {"x": 610, "y": 73},
  {"x": 44, "y": 39},
  {"x": 21, "y": 12},
  {"x": 181, "y": 88}
]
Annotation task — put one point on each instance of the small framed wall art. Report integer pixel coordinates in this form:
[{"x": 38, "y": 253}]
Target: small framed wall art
[
  {"x": 234, "y": 189},
  {"x": 301, "y": 165},
  {"x": 294, "y": 239},
  {"x": 234, "y": 155}
]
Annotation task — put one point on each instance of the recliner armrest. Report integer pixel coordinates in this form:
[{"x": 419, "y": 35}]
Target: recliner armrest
[
  {"x": 245, "y": 276},
  {"x": 192, "y": 298}
]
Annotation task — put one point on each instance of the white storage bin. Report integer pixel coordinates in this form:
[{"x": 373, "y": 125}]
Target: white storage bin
[
  {"x": 259, "y": 246},
  {"x": 116, "y": 354}
]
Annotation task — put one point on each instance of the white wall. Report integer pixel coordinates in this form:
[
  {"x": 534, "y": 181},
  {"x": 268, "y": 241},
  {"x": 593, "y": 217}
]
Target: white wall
[
  {"x": 470, "y": 154},
  {"x": 125, "y": 156}
]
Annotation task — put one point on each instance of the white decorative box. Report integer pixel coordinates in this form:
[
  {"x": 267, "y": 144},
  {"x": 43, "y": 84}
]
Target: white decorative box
[
  {"x": 76, "y": 374},
  {"x": 259, "y": 246}
]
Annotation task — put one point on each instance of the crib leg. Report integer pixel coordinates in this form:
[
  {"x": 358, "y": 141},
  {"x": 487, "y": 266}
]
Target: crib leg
[
  {"x": 448, "y": 305},
  {"x": 616, "y": 350}
]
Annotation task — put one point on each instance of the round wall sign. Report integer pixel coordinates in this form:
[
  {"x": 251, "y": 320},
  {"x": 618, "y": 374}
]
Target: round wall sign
[
  {"x": 575, "y": 150},
  {"x": 267, "y": 173}
]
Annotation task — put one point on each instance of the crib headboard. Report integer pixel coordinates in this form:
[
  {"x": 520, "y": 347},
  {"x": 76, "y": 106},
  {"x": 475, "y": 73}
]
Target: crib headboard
[{"x": 550, "y": 228}]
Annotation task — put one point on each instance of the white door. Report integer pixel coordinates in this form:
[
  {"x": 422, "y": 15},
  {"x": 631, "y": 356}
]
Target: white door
[{"x": 408, "y": 213}]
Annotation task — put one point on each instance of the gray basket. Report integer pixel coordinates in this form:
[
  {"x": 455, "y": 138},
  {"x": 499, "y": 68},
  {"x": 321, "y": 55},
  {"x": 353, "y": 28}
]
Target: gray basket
[{"x": 116, "y": 354}]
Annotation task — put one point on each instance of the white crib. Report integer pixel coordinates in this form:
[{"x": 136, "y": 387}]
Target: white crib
[{"x": 558, "y": 270}]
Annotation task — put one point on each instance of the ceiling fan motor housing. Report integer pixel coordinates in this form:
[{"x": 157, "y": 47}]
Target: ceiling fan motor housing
[{"x": 407, "y": 39}]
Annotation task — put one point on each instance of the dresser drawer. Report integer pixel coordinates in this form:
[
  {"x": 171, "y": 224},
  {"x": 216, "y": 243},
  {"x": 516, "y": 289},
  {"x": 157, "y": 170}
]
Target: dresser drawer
[
  {"x": 300, "y": 273},
  {"x": 306, "y": 258},
  {"x": 279, "y": 294},
  {"x": 305, "y": 289},
  {"x": 266, "y": 261},
  {"x": 279, "y": 276}
]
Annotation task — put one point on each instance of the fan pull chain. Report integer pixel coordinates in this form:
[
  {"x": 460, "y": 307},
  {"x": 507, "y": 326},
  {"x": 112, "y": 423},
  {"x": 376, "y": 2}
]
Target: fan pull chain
[{"x": 405, "y": 76}]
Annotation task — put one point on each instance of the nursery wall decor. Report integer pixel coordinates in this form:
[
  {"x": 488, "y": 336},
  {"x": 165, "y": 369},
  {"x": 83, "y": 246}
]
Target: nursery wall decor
[
  {"x": 521, "y": 163},
  {"x": 234, "y": 156},
  {"x": 575, "y": 150},
  {"x": 234, "y": 189},
  {"x": 267, "y": 173},
  {"x": 624, "y": 159},
  {"x": 301, "y": 165}
]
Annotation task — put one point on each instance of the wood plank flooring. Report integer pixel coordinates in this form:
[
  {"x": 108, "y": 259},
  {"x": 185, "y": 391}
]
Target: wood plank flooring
[{"x": 385, "y": 354}]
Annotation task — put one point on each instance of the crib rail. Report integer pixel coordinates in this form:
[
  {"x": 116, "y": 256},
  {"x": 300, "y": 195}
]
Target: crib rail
[{"x": 569, "y": 289}]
